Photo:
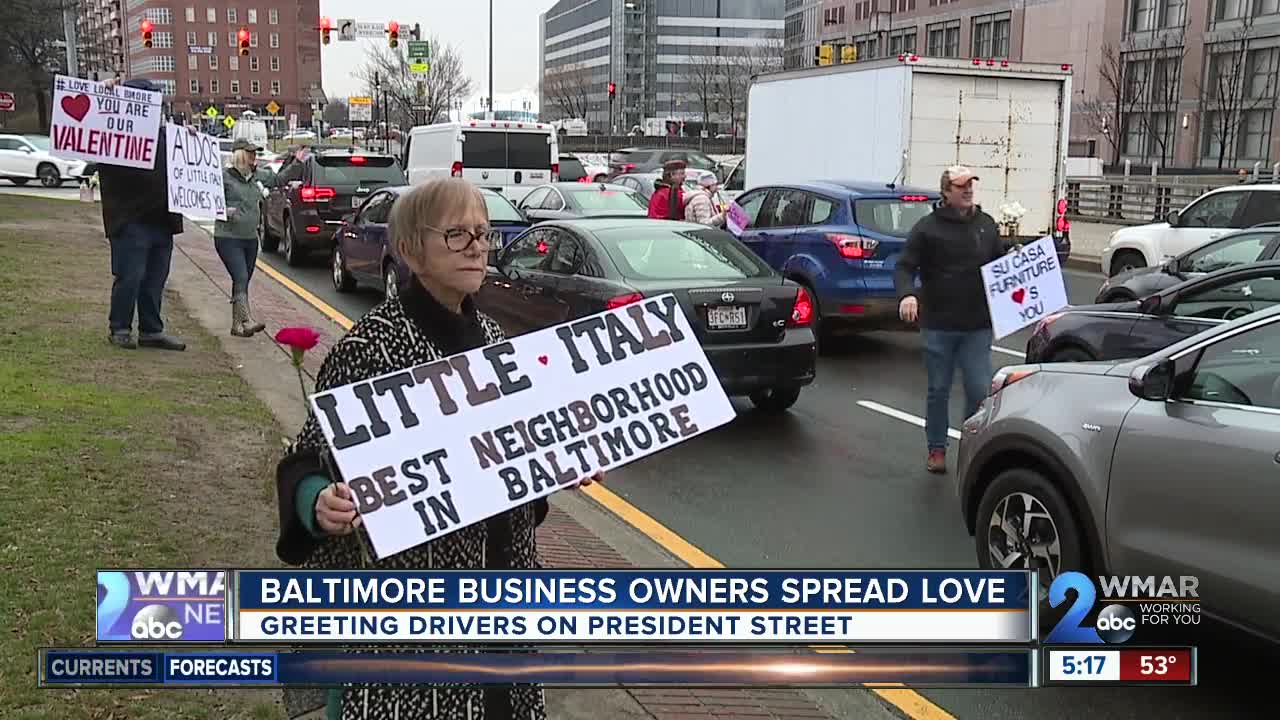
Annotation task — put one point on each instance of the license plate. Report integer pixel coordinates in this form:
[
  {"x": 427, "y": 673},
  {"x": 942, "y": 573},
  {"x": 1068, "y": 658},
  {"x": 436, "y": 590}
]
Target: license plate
[{"x": 726, "y": 318}]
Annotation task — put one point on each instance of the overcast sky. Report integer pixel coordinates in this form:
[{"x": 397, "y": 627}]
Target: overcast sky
[{"x": 465, "y": 24}]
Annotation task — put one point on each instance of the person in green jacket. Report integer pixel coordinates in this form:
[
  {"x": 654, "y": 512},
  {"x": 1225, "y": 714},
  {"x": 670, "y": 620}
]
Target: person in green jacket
[{"x": 236, "y": 238}]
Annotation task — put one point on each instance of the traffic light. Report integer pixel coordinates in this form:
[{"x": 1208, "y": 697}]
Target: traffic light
[
  {"x": 848, "y": 54},
  {"x": 244, "y": 41},
  {"x": 613, "y": 91},
  {"x": 393, "y": 34},
  {"x": 823, "y": 54},
  {"x": 325, "y": 26},
  {"x": 146, "y": 27}
]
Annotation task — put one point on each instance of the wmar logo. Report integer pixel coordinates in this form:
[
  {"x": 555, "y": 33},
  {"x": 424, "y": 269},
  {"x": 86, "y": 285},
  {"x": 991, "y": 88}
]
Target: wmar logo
[
  {"x": 1160, "y": 600},
  {"x": 1115, "y": 623}
]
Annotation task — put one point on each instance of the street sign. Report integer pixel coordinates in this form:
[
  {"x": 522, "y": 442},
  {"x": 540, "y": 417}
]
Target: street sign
[
  {"x": 7, "y": 102},
  {"x": 293, "y": 122},
  {"x": 370, "y": 29},
  {"x": 419, "y": 49},
  {"x": 419, "y": 68},
  {"x": 229, "y": 121},
  {"x": 347, "y": 29},
  {"x": 360, "y": 108},
  {"x": 200, "y": 49},
  {"x": 211, "y": 112},
  {"x": 273, "y": 107}
]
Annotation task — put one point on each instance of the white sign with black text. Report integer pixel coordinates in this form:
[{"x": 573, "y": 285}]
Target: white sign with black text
[
  {"x": 195, "y": 174},
  {"x": 116, "y": 126},
  {"x": 1024, "y": 286}
]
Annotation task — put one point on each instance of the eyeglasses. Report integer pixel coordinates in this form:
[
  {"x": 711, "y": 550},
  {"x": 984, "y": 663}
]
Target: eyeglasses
[{"x": 458, "y": 239}]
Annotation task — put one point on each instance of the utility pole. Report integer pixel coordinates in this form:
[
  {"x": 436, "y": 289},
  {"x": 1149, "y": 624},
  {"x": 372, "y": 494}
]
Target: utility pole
[
  {"x": 491, "y": 57},
  {"x": 69, "y": 9}
]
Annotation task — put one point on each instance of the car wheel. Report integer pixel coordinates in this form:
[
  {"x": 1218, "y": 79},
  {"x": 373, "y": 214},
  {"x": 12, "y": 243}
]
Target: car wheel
[
  {"x": 1025, "y": 523},
  {"x": 270, "y": 243},
  {"x": 775, "y": 400},
  {"x": 19, "y": 181},
  {"x": 390, "y": 280},
  {"x": 1127, "y": 260},
  {"x": 1071, "y": 353},
  {"x": 49, "y": 175},
  {"x": 342, "y": 279},
  {"x": 292, "y": 253}
]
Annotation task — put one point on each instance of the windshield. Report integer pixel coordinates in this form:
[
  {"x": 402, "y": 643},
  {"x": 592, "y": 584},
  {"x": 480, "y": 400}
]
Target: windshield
[
  {"x": 40, "y": 141},
  {"x": 592, "y": 198},
  {"x": 649, "y": 253},
  {"x": 506, "y": 150},
  {"x": 359, "y": 170},
  {"x": 500, "y": 209},
  {"x": 891, "y": 216},
  {"x": 571, "y": 169}
]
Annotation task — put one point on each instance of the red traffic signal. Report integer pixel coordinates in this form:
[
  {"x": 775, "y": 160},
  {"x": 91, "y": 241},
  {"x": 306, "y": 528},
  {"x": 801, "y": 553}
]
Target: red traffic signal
[
  {"x": 146, "y": 26},
  {"x": 243, "y": 36},
  {"x": 325, "y": 26},
  {"x": 613, "y": 89},
  {"x": 393, "y": 33}
]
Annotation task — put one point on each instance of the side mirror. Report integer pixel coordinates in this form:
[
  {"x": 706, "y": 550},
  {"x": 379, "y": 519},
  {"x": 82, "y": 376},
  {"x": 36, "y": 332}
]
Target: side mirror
[
  {"x": 1152, "y": 382},
  {"x": 1173, "y": 218},
  {"x": 1150, "y": 305}
]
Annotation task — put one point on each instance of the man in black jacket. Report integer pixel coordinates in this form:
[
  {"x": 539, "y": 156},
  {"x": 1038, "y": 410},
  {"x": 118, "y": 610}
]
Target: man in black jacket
[
  {"x": 137, "y": 221},
  {"x": 948, "y": 248}
]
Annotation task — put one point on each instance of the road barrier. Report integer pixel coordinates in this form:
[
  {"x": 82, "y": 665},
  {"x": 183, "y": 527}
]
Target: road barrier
[{"x": 1129, "y": 201}]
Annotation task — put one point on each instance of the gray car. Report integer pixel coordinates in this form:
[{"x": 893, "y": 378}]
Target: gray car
[{"x": 1165, "y": 465}]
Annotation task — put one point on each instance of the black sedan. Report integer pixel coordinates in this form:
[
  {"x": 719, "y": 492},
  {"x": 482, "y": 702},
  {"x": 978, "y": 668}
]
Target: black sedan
[
  {"x": 755, "y": 326},
  {"x": 1140, "y": 327},
  {"x": 566, "y": 201},
  {"x": 1238, "y": 248}
]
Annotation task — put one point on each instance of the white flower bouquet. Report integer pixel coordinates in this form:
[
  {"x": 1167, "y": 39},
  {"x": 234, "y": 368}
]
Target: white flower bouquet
[{"x": 1010, "y": 214}]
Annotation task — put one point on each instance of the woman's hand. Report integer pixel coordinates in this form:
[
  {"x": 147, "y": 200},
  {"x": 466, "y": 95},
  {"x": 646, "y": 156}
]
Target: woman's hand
[{"x": 335, "y": 511}]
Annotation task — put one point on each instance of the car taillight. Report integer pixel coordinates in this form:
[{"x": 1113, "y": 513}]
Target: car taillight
[
  {"x": 853, "y": 247},
  {"x": 357, "y": 160},
  {"x": 310, "y": 193},
  {"x": 624, "y": 300},
  {"x": 915, "y": 198},
  {"x": 1063, "y": 225},
  {"x": 555, "y": 172},
  {"x": 457, "y": 170},
  {"x": 802, "y": 311},
  {"x": 1007, "y": 376},
  {"x": 627, "y": 167}
]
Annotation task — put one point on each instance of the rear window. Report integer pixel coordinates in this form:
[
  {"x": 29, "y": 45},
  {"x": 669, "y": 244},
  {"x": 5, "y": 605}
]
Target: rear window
[
  {"x": 571, "y": 169},
  {"x": 359, "y": 170},
  {"x": 891, "y": 216},
  {"x": 502, "y": 150},
  {"x": 500, "y": 209},
  {"x": 593, "y": 198},
  {"x": 649, "y": 253}
]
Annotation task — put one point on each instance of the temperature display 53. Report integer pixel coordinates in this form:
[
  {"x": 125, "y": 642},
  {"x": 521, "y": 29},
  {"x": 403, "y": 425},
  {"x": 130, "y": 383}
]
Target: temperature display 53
[{"x": 1155, "y": 665}]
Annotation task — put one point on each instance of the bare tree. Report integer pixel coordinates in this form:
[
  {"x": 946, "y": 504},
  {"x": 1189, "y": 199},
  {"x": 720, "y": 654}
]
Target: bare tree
[
  {"x": 1123, "y": 87},
  {"x": 1228, "y": 92},
  {"x": 1167, "y": 60},
  {"x": 568, "y": 90},
  {"x": 704, "y": 75},
  {"x": 28, "y": 32},
  {"x": 403, "y": 93},
  {"x": 740, "y": 68}
]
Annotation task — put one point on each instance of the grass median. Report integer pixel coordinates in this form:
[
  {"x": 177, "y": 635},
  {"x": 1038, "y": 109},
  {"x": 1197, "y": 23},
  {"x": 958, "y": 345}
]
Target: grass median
[{"x": 111, "y": 458}]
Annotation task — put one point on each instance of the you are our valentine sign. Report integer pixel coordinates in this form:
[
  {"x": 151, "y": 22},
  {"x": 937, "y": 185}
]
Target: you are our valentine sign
[
  {"x": 120, "y": 126},
  {"x": 1024, "y": 286}
]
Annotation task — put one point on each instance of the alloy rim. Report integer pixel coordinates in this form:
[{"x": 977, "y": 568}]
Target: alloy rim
[
  {"x": 1023, "y": 535},
  {"x": 391, "y": 283},
  {"x": 337, "y": 268}
]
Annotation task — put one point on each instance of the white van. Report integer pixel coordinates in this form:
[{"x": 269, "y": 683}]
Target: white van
[
  {"x": 255, "y": 131},
  {"x": 510, "y": 157}
]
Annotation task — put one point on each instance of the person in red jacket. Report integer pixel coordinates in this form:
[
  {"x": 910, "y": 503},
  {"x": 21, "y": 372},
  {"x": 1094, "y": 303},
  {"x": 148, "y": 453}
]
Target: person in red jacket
[{"x": 667, "y": 202}]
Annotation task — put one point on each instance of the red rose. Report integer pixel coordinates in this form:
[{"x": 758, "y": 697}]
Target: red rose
[{"x": 298, "y": 338}]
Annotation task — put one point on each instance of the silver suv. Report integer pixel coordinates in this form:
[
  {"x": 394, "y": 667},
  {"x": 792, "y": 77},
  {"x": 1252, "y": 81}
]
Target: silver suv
[{"x": 1166, "y": 465}]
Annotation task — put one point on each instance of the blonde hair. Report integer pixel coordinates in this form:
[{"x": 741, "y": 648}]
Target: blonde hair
[
  {"x": 241, "y": 159},
  {"x": 425, "y": 205}
]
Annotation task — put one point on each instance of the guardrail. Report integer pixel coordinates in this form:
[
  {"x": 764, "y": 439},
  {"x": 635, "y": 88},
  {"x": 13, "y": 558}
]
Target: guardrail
[
  {"x": 1124, "y": 200},
  {"x": 607, "y": 143}
]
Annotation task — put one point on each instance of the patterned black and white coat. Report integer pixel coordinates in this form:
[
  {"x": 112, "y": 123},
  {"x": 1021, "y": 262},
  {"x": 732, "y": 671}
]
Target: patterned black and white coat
[{"x": 404, "y": 332}]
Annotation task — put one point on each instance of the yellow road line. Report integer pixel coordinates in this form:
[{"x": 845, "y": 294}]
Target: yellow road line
[{"x": 915, "y": 705}]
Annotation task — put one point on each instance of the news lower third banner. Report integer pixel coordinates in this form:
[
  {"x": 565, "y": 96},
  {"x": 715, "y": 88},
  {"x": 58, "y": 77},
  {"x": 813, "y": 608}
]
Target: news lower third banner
[
  {"x": 632, "y": 606},
  {"x": 916, "y": 667}
]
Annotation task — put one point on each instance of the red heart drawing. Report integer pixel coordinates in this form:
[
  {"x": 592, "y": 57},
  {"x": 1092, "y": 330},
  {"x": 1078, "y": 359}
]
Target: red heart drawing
[
  {"x": 77, "y": 106},
  {"x": 544, "y": 359},
  {"x": 1018, "y": 295}
]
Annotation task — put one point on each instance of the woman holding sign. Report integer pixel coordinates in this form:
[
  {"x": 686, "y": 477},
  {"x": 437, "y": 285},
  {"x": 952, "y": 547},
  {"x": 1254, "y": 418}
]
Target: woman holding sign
[
  {"x": 236, "y": 238},
  {"x": 441, "y": 231}
]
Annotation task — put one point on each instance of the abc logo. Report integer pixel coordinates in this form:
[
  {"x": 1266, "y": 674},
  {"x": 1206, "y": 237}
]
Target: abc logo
[
  {"x": 156, "y": 622},
  {"x": 1116, "y": 623}
]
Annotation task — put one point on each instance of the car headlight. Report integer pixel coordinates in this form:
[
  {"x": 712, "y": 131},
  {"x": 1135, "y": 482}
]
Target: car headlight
[{"x": 1009, "y": 375}]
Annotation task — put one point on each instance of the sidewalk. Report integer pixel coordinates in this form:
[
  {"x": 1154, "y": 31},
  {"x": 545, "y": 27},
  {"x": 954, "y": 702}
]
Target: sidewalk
[{"x": 576, "y": 534}]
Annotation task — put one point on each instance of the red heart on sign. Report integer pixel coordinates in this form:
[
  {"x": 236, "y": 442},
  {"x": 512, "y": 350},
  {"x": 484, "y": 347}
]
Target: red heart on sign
[
  {"x": 77, "y": 106},
  {"x": 544, "y": 359},
  {"x": 1018, "y": 295}
]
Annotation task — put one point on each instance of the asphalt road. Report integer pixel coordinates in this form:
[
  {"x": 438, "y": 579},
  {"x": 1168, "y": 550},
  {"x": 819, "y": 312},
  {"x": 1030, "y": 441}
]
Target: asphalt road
[{"x": 840, "y": 484}]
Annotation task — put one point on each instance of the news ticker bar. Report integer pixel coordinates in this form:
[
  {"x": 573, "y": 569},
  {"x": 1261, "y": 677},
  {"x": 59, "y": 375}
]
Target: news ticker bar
[
  {"x": 189, "y": 667},
  {"x": 288, "y": 607}
]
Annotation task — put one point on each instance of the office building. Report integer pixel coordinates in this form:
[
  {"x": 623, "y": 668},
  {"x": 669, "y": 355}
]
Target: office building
[
  {"x": 674, "y": 63},
  {"x": 802, "y": 25},
  {"x": 195, "y": 54}
]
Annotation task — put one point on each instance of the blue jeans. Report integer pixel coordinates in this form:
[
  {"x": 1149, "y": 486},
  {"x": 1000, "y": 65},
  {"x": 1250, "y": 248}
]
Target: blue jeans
[
  {"x": 140, "y": 257},
  {"x": 943, "y": 351},
  {"x": 239, "y": 256}
]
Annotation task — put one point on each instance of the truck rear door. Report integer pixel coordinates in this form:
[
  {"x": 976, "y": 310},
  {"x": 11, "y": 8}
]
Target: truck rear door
[{"x": 1005, "y": 128}]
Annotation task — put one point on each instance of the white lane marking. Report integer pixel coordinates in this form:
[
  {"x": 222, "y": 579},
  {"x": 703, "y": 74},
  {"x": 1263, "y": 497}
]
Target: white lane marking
[
  {"x": 1007, "y": 351},
  {"x": 903, "y": 416}
]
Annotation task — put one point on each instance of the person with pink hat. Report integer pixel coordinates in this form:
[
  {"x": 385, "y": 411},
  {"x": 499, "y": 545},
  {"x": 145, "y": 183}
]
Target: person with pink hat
[
  {"x": 703, "y": 205},
  {"x": 947, "y": 249}
]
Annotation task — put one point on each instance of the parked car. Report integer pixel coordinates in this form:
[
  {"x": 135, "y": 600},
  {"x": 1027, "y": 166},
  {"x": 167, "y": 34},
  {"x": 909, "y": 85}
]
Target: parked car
[
  {"x": 648, "y": 160},
  {"x": 754, "y": 325},
  {"x": 363, "y": 255},
  {"x": 313, "y": 192},
  {"x": 24, "y": 158},
  {"x": 1161, "y": 465},
  {"x": 841, "y": 240},
  {"x": 1237, "y": 248},
  {"x": 643, "y": 182},
  {"x": 1207, "y": 218},
  {"x": 564, "y": 200},
  {"x": 1138, "y": 327}
]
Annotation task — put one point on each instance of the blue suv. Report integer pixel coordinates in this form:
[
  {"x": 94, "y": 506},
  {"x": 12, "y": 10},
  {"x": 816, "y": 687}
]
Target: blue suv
[{"x": 841, "y": 240}]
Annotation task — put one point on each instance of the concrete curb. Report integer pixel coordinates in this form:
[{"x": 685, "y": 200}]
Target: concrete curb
[{"x": 1084, "y": 263}]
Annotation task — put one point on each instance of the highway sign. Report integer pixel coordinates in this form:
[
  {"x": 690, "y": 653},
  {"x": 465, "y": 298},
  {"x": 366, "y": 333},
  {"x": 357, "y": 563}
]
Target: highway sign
[
  {"x": 211, "y": 112},
  {"x": 229, "y": 121},
  {"x": 273, "y": 107},
  {"x": 346, "y": 29},
  {"x": 419, "y": 49},
  {"x": 7, "y": 101},
  {"x": 370, "y": 29}
]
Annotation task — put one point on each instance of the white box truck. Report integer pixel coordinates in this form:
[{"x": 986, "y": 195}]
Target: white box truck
[{"x": 905, "y": 120}]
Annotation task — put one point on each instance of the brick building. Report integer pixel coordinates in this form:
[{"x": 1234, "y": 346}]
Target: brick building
[{"x": 195, "y": 55}]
